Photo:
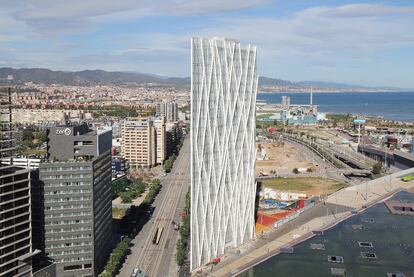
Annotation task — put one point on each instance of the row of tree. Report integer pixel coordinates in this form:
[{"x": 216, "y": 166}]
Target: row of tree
[
  {"x": 134, "y": 214},
  {"x": 182, "y": 243},
  {"x": 117, "y": 258},
  {"x": 154, "y": 189},
  {"x": 168, "y": 164}
]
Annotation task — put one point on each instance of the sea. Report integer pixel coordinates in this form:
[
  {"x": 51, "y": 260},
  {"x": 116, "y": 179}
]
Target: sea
[{"x": 397, "y": 106}]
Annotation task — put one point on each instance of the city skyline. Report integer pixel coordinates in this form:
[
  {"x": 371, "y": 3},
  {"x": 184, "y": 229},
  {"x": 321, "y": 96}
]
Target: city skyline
[
  {"x": 212, "y": 138},
  {"x": 366, "y": 43}
]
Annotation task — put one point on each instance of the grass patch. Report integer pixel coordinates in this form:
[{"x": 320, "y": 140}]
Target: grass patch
[
  {"x": 264, "y": 115},
  {"x": 309, "y": 185},
  {"x": 118, "y": 213},
  {"x": 287, "y": 183}
]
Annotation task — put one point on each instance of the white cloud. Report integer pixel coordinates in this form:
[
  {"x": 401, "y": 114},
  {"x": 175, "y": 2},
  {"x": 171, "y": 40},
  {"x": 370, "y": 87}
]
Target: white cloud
[
  {"x": 61, "y": 16},
  {"x": 319, "y": 36},
  {"x": 316, "y": 40},
  {"x": 366, "y": 10}
]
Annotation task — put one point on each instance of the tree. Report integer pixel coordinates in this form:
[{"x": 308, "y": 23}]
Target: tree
[
  {"x": 41, "y": 136},
  {"x": 27, "y": 135},
  {"x": 180, "y": 256},
  {"x": 119, "y": 186},
  {"x": 168, "y": 164},
  {"x": 295, "y": 170},
  {"x": 376, "y": 168}
]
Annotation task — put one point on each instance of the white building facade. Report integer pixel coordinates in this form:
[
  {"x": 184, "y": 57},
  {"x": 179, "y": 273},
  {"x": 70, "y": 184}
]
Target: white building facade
[{"x": 223, "y": 96}]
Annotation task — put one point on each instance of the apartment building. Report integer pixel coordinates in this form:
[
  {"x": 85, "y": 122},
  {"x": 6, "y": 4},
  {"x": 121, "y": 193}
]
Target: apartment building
[
  {"x": 77, "y": 194},
  {"x": 169, "y": 110},
  {"x": 160, "y": 139},
  {"x": 138, "y": 142},
  {"x": 143, "y": 141}
]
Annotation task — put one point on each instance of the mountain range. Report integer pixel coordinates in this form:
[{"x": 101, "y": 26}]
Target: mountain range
[{"x": 95, "y": 77}]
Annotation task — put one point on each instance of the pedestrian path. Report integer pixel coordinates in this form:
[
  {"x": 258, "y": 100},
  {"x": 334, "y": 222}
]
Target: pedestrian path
[{"x": 357, "y": 198}]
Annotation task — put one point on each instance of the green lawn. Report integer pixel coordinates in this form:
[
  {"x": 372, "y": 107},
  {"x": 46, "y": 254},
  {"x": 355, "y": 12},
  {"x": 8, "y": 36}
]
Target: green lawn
[
  {"x": 264, "y": 115},
  {"x": 309, "y": 185},
  {"x": 118, "y": 213}
]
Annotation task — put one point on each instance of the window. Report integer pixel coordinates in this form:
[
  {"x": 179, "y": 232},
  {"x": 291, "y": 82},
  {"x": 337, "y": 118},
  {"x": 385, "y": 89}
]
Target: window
[{"x": 72, "y": 267}]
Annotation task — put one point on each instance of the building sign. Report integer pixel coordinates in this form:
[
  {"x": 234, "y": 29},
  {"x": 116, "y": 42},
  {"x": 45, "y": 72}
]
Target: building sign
[
  {"x": 66, "y": 131},
  {"x": 359, "y": 121}
]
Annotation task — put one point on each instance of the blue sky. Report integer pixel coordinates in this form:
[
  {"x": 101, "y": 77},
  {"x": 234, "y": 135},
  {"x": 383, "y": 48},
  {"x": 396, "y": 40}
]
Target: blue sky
[{"x": 368, "y": 43}]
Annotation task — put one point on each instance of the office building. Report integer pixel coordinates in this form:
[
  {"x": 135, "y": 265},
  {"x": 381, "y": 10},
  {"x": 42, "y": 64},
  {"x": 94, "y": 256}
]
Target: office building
[
  {"x": 76, "y": 184},
  {"x": 15, "y": 213},
  {"x": 120, "y": 166},
  {"x": 32, "y": 163},
  {"x": 167, "y": 109},
  {"x": 144, "y": 141},
  {"x": 223, "y": 96}
]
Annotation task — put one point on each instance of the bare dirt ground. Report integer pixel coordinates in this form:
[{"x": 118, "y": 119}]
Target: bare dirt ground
[{"x": 283, "y": 158}]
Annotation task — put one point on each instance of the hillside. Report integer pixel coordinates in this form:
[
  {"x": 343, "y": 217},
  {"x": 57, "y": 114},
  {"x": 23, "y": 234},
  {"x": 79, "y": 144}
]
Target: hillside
[{"x": 94, "y": 77}]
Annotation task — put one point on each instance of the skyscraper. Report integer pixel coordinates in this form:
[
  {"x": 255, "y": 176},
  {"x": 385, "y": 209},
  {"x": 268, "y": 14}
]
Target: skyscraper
[
  {"x": 15, "y": 213},
  {"x": 223, "y": 96},
  {"x": 77, "y": 199}
]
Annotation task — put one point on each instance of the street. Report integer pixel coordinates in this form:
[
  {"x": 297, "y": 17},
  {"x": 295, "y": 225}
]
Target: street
[{"x": 156, "y": 259}]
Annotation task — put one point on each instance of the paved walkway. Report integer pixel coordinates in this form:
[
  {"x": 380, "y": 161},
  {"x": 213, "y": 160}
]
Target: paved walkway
[{"x": 356, "y": 198}]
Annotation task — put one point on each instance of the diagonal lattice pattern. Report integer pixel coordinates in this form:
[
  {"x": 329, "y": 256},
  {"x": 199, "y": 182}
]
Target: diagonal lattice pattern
[{"x": 223, "y": 96}]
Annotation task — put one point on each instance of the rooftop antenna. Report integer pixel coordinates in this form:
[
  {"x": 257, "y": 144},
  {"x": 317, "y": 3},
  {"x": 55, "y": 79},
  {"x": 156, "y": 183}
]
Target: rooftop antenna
[{"x": 311, "y": 96}]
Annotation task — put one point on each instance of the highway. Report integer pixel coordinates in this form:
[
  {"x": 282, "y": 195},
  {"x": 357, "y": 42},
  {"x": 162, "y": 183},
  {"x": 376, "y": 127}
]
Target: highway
[{"x": 157, "y": 259}]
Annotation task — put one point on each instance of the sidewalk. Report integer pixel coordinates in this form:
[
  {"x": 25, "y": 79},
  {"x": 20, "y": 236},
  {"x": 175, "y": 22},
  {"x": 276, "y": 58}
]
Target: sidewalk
[{"x": 355, "y": 198}]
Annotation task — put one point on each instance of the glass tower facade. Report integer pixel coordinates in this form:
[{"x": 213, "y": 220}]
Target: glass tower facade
[{"x": 223, "y": 96}]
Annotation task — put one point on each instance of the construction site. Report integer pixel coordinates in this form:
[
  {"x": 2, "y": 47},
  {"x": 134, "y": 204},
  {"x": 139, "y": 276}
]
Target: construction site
[
  {"x": 280, "y": 158},
  {"x": 290, "y": 179}
]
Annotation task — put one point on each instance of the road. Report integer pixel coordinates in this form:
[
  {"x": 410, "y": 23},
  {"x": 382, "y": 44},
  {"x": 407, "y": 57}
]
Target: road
[{"x": 155, "y": 259}]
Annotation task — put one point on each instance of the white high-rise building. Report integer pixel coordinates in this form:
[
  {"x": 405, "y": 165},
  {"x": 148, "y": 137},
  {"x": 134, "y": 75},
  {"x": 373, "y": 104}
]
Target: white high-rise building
[
  {"x": 167, "y": 109},
  {"x": 223, "y": 96}
]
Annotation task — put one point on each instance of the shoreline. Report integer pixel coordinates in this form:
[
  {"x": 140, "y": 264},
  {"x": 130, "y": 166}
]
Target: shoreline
[
  {"x": 333, "y": 91},
  {"x": 376, "y": 105},
  {"x": 374, "y": 117}
]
